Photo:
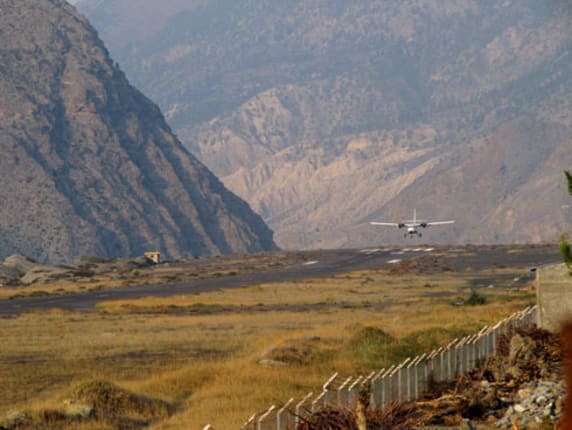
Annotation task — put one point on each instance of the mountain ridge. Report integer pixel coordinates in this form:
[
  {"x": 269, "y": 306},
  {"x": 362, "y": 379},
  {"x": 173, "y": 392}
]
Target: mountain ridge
[
  {"x": 91, "y": 167},
  {"x": 292, "y": 104}
]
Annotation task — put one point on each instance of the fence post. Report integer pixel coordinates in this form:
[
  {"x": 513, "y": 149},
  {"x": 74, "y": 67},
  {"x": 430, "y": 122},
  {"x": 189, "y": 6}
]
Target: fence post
[
  {"x": 248, "y": 422},
  {"x": 536, "y": 315},
  {"x": 410, "y": 378},
  {"x": 368, "y": 378},
  {"x": 318, "y": 402},
  {"x": 446, "y": 363},
  {"x": 460, "y": 351},
  {"x": 264, "y": 416},
  {"x": 402, "y": 380},
  {"x": 476, "y": 352},
  {"x": 394, "y": 380},
  {"x": 486, "y": 344},
  {"x": 351, "y": 392},
  {"x": 420, "y": 380},
  {"x": 283, "y": 423},
  {"x": 376, "y": 398},
  {"x": 330, "y": 396},
  {"x": 343, "y": 399},
  {"x": 386, "y": 387},
  {"x": 413, "y": 382},
  {"x": 430, "y": 372},
  {"x": 451, "y": 356},
  {"x": 482, "y": 345},
  {"x": 473, "y": 351},
  {"x": 495, "y": 335},
  {"x": 329, "y": 381},
  {"x": 299, "y": 410}
]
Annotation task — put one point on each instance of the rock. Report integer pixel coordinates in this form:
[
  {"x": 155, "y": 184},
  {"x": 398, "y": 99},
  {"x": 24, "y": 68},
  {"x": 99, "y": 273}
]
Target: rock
[
  {"x": 519, "y": 408},
  {"x": 513, "y": 372},
  {"x": 272, "y": 363},
  {"x": 9, "y": 275},
  {"x": 15, "y": 419},
  {"x": 524, "y": 393},
  {"x": 45, "y": 274},
  {"x": 78, "y": 409},
  {"x": 20, "y": 263}
]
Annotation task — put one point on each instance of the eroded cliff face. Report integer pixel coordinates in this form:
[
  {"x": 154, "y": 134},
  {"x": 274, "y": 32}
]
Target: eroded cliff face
[
  {"x": 325, "y": 115},
  {"x": 88, "y": 165}
]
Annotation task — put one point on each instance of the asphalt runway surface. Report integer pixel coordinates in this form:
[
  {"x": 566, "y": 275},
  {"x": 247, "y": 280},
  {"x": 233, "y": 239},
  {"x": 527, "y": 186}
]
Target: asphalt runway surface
[{"x": 319, "y": 264}]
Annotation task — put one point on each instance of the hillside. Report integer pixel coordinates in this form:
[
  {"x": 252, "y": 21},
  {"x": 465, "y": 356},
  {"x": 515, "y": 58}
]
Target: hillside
[
  {"x": 459, "y": 109},
  {"x": 89, "y": 165}
]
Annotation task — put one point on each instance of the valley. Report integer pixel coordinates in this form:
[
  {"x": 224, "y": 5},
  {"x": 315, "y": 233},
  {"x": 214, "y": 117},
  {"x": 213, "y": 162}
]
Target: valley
[
  {"x": 294, "y": 104},
  {"x": 207, "y": 350}
]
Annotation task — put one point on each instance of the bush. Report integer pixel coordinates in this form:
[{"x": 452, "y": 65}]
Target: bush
[
  {"x": 566, "y": 251},
  {"x": 476, "y": 299}
]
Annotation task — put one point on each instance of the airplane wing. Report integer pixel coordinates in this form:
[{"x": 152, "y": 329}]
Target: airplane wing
[
  {"x": 437, "y": 223},
  {"x": 388, "y": 224}
]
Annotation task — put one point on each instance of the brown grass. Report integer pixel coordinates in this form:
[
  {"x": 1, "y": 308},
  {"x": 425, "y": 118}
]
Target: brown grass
[
  {"x": 206, "y": 363},
  {"x": 174, "y": 272}
]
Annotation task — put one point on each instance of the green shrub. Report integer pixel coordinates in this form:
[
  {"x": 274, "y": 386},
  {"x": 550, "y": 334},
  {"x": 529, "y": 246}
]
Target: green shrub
[
  {"x": 566, "y": 251},
  {"x": 476, "y": 299}
]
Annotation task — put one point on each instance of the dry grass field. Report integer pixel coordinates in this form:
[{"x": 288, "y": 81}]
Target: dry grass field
[{"x": 218, "y": 357}]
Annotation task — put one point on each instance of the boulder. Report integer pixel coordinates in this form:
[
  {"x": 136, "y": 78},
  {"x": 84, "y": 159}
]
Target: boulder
[
  {"x": 20, "y": 263},
  {"x": 45, "y": 274},
  {"x": 78, "y": 409},
  {"x": 9, "y": 276}
]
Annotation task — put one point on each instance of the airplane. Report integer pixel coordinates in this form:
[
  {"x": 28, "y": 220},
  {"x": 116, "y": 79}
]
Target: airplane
[{"x": 412, "y": 225}]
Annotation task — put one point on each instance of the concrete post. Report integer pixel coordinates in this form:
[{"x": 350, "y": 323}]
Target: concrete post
[
  {"x": 247, "y": 424},
  {"x": 394, "y": 378},
  {"x": 330, "y": 398},
  {"x": 539, "y": 313},
  {"x": 342, "y": 393},
  {"x": 420, "y": 375},
  {"x": 318, "y": 402},
  {"x": 300, "y": 412},
  {"x": 353, "y": 392},
  {"x": 263, "y": 423},
  {"x": 461, "y": 358},
  {"x": 284, "y": 418},
  {"x": 411, "y": 380}
]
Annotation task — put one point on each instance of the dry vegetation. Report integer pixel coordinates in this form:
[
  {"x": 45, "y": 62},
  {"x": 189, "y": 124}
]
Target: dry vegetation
[
  {"x": 202, "y": 355},
  {"x": 124, "y": 272}
]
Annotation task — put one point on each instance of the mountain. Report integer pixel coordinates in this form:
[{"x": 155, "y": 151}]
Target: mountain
[
  {"x": 327, "y": 114},
  {"x": 89, "y": 165}
]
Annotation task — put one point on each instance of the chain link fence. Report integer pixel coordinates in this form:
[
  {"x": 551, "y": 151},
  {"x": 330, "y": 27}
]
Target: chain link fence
[{"x": 399, "y": 383}]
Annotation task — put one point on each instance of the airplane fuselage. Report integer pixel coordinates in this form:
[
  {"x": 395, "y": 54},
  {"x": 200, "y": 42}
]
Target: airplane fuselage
[{"x": 411, "y": 232}]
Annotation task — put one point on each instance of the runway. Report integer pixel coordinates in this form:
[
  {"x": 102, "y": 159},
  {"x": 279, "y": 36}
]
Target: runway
[{"x": 318, "y": 264}]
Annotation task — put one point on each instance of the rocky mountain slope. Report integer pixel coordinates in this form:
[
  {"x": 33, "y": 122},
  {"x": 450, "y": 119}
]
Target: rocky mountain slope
[
  {"x": 89, "y": 166},
  {"x": 325, "y": 115}
]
